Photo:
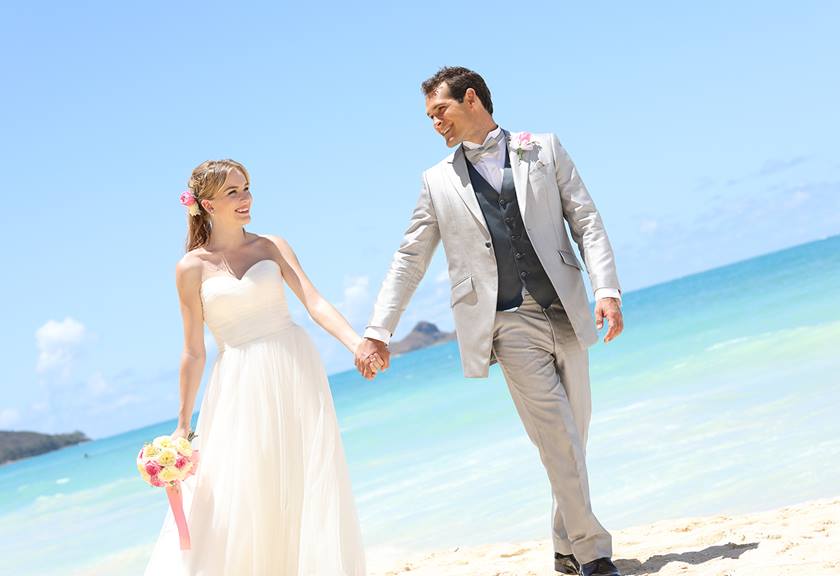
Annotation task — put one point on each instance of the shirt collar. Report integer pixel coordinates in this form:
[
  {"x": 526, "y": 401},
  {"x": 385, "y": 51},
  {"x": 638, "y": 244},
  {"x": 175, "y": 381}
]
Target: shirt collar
[{"x": 492, "y": 134}]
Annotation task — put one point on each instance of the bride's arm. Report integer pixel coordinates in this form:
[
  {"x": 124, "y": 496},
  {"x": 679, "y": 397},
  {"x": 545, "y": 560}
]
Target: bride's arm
[
  {"x": 188, "y": 280},
  {"x": 321, "y": 311}
]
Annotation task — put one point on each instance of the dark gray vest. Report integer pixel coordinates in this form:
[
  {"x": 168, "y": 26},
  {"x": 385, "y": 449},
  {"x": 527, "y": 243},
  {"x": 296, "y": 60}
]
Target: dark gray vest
[{"x": 516, "y": 260}]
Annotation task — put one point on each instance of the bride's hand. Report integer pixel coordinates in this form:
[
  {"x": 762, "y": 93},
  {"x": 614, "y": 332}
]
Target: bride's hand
[
  {"x": 180, "y": 432},
  {"x": 375, "y": 363}
]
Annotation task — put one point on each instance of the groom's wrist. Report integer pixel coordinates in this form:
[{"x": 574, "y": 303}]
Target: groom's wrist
[
  {"x": 602, "y": 293},
  {"x": 378, "y": 333}
]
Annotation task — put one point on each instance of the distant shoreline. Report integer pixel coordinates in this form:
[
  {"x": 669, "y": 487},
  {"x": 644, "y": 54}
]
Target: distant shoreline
[{"x": 16, "y": 446}]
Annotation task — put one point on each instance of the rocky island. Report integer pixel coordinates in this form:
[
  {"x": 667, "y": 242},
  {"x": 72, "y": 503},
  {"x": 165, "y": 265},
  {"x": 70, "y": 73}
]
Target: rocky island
[
  {"x": 17, "y": 445},
  {"x": 423, "y": 335}
]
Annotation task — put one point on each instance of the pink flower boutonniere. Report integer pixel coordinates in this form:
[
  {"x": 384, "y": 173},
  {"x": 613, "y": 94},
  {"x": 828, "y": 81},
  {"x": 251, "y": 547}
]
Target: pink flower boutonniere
[
  {"x": 523, "y": 142},
  {"x": 189, "y": 202}
]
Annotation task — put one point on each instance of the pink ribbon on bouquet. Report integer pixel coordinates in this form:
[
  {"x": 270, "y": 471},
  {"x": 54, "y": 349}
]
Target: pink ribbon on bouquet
[{"x": 176, "y": 503}]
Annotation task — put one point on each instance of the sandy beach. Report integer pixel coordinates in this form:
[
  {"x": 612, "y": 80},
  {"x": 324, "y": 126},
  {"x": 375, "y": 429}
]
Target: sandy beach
[{"x": 800, "y": 539}]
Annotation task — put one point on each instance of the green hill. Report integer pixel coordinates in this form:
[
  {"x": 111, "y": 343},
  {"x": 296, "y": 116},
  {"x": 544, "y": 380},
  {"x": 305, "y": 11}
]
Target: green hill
[{"x": 17, "y": 445}]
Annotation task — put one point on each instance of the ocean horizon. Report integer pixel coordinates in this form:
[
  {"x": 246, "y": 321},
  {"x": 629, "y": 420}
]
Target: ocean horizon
[{"x": 720, "y": 397}]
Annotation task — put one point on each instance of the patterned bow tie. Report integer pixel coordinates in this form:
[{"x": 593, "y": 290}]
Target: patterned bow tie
[{"x": 474, "y": 155}]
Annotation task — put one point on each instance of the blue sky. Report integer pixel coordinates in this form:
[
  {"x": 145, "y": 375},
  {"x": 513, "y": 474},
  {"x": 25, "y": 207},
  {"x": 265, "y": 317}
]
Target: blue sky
[{"x": 706, "y": 132}]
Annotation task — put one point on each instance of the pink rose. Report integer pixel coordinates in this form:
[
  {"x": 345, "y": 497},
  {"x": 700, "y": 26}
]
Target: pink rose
[
  {"x": 155, "y": 481},
  {"x": 181, "y": 462},
  {"x": 187, "y": 198},
  {"x": 152, "y": 468},
  {"x": 525, "y": 137}
]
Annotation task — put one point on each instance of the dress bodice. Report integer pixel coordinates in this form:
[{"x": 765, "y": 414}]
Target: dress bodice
[{"x": 239, "y": 311}]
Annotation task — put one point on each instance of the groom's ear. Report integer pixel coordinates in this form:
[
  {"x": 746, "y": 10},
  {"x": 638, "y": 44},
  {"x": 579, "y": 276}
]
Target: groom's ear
[
  {"x": 470, "y": 97},
  {"x": 472, "y": 100}
]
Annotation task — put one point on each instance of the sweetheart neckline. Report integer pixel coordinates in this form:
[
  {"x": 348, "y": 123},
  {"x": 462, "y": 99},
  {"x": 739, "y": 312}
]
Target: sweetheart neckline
[{"x": 244, "y": 274}]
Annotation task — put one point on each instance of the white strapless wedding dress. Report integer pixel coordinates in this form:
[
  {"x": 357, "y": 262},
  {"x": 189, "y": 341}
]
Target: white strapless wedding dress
[{"x": 272, "y": 494}]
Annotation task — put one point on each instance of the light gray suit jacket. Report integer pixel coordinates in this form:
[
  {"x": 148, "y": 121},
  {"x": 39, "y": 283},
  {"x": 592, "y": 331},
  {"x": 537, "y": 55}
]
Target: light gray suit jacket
[{"x": 549, "y": 191}]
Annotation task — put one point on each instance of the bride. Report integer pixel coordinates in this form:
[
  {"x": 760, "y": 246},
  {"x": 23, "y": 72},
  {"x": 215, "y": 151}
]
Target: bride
[{"x": 272, "y": 493}]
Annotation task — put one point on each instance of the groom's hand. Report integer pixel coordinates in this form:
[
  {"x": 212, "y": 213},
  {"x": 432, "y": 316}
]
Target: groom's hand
[
  {"x": 366, "y": 365},
  {"x": 609, "y": 308}
]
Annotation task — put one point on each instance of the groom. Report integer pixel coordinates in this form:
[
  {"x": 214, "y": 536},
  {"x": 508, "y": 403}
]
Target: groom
[{"x": 500, "y": 204}]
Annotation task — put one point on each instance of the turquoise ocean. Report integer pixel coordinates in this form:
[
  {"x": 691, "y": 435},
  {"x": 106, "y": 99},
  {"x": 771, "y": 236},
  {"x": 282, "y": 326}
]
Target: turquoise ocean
[{"x": 722, "y": 396}]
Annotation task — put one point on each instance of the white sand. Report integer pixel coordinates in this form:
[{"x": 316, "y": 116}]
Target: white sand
[{"x": 802, "y": 539}]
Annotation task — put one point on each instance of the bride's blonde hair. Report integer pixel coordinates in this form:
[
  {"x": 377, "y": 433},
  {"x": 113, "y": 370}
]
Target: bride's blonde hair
[{"x": 206, "y": 180}]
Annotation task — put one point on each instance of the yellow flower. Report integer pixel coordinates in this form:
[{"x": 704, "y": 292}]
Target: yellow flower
[
  {"x": 169, "y": 474},
  {"x": 162, "y": 442},
  {"x": 142, "y": 469},
  {"x": 167, "y": 457},
  {"x": 150, "y": 451},
  {"x": 183, "y": 446}
]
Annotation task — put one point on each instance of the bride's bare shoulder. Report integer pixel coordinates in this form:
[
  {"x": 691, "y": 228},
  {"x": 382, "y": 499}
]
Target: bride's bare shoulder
[
  {"x": 277, "y": 243},
  {"x": 189, "y": 267}
]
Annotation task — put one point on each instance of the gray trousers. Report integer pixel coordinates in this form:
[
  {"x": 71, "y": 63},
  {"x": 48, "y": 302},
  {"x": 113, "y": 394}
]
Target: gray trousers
[{"x": 547, "y": 372}]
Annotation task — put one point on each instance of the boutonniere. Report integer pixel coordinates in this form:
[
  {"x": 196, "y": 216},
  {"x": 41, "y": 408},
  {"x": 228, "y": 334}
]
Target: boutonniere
[{"x": 523, "y": 142}]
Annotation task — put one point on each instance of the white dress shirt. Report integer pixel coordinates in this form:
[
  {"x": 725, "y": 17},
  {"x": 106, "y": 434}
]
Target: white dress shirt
[{"x": 491, "y": 167}]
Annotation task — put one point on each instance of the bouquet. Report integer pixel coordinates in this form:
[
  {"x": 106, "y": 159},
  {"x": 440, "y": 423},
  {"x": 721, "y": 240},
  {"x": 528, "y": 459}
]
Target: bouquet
[{"x": 165, "y": 463}]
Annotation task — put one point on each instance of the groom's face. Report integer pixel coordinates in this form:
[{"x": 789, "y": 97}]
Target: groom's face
[{"x": 451, "y": 119}]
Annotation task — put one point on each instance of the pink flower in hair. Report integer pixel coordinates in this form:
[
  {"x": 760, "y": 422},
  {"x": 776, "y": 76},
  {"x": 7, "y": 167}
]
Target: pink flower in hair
[{"x": 189, "y": 201}]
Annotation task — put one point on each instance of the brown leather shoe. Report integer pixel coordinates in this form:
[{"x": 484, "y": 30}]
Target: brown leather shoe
[{"x": 566, "y": 564}]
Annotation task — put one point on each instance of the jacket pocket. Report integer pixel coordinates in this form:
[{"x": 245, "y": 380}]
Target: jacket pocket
[
  {"x": 461, "y": 290},
  {"x": 537, "y": 167},
  {"x": 569, "y": 258}
]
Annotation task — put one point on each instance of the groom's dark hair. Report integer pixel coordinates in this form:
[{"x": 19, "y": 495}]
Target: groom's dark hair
[{"x": 459, "y": 79}]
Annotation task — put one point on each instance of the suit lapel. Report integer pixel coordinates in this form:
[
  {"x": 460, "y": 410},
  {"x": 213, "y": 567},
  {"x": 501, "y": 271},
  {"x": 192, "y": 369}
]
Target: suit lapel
[
  {"x": 520, "y": 174},
  {"x": 459, "y": 178}
]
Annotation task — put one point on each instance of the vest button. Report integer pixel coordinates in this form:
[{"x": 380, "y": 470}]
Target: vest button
[
  {"x": 523, "y": 274},
  {"x": 519, "y": 255},
  {"x": 516, "y": 237},
  {"x": 508, "y": 220},
  {"x": 502, "y": 202}
]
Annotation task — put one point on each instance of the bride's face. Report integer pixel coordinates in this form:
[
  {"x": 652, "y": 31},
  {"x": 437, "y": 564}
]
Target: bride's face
[{"x": 232, "y": 204}]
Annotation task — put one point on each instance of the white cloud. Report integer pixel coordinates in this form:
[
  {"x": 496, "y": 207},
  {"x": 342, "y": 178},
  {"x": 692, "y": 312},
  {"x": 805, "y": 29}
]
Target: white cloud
[
  {"x": 355, "y": 288},
  {"x": 8, "y": 417},
  {"x": 97, "y": 385},
  {"x": 356, "y": 302},
  {"x": 798, "y": 198},
  {"x": 775, "y": 165},
  {"x": 58, "y": 342},
  {"x": 648, "y": 226},
  {"x": 443, "y": 276}
]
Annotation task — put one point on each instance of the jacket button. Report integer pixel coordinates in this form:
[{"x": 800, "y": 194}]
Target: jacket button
[
  {"x": 523, "y": 274},
  {"x": 518, "y": 255},
  {"x": 487, "y": 244}
]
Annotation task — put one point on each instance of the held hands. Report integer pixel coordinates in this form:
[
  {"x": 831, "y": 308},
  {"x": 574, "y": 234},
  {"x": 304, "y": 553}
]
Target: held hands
[
  {"x": 609, "y": 308},
  {"x": 371, "y": 357}
]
